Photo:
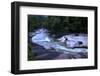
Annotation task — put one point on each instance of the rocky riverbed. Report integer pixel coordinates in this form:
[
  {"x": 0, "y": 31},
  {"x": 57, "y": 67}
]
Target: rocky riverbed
[
  {"x": 46, "y": 48},
  {"x": 44, "y": 54}
]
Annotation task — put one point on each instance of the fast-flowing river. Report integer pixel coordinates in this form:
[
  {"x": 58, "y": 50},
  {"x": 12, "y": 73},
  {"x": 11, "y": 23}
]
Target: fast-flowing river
[{"x": 41, "y": 37}]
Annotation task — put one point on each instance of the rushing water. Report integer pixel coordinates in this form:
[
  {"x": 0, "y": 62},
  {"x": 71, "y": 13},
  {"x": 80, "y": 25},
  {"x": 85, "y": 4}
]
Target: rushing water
[{"x": 42, "y": 38}]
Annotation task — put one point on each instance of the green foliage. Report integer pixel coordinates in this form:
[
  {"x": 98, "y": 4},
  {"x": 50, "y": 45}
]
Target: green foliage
[
  {"x": 58, "y": 25},
  {"x": 31, "y": 55}
]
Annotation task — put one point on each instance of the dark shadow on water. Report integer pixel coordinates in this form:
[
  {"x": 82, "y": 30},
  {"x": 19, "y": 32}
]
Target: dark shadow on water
[{"x": 52, "y": 54}]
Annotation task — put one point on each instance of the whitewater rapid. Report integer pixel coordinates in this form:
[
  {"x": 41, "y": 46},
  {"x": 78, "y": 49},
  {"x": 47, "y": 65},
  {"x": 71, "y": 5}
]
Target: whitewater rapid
[{"x": 42, "y": 38}]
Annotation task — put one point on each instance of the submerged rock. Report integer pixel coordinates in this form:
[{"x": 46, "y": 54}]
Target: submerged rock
[{"x": 73, "y": 40}]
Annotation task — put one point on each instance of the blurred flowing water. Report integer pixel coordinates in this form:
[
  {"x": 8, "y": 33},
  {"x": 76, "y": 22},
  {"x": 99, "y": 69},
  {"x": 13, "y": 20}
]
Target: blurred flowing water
[{"x": 41, "y": 37}]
